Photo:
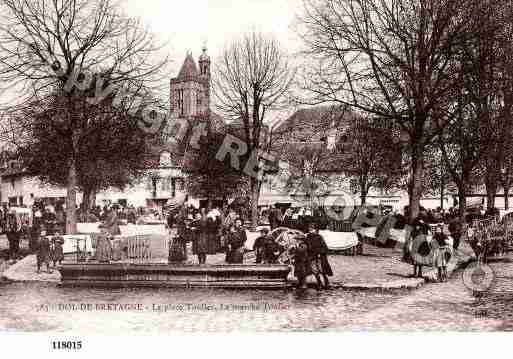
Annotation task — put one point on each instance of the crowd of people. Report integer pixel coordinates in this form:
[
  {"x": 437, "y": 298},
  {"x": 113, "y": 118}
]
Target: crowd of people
[
  {"x": 222, "y": 231},
  {"x": 45, "y": 219},
  {"x": 210, "y": 232},
  {"x": 440, "y": 249}
]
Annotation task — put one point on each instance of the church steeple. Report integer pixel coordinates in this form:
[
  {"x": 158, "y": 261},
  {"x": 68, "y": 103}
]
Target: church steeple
[
  {"x": 189, "y": 69},
  {"x": 190, "y": 90},
  {"x": 204, "y": 65}
]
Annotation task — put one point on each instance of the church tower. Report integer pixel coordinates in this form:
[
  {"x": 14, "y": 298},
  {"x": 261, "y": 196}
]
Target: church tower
[
  {"x": 204, "y": 64},
  {"x": 190, "y": 90}
]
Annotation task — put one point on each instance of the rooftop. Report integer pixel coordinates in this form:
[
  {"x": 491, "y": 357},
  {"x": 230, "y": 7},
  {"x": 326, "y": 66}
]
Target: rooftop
[{"x": 189, "y": 68}]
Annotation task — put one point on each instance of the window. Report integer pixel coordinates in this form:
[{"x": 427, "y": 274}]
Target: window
[
  {"x": 193, "y": 102},
  {"x": 180, "y": 102},
  {"x": 180, "y": 184}
]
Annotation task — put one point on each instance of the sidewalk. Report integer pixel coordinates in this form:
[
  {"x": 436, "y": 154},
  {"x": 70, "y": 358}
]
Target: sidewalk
[
  {"x": 25, "y": 271},
  {"x": 382, "y": 269},
  {"x": 377, "y": 269},
  {"x": 4, "y": 253}
]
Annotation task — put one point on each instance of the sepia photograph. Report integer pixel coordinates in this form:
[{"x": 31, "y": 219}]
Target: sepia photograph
[{"x": 273, "y": 166}]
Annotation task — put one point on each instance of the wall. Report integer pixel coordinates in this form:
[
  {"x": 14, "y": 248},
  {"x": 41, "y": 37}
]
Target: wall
[
  {"x": 137, "y": 194},
  {"x": 23, "y": 186}
]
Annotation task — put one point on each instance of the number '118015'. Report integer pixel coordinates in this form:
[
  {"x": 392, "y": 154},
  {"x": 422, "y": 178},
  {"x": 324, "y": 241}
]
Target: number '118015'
[{"x": 67, "y": 345}]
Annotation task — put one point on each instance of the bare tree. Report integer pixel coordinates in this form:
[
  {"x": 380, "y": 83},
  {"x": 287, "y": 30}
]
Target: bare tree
[
  {"x": 251, "y": 80},
  {"x": 474, "y": 144},
  {"x": 437, "y": 179},
  {"x": 394, "y": 59},
  {"x": 503, "y": 92},
  {"x": 55, "y": 46},
  {"x": 306, "y": 142},
  {"x": 371, "y": 156}
]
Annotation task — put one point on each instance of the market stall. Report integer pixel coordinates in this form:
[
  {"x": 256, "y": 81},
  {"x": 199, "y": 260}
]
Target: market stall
[{"x": 339, "y": 241}]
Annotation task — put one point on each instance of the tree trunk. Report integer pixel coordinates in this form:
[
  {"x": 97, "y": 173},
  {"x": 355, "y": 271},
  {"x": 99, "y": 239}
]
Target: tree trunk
[
  {"x": 363, "y": 191},
  {"x": 462, "y": 199},
  {"x": 255, "y": 194},
  {"x": 92, "y": 199},
  {"x": 491, "y": 190},
  {"x": 154, "y": 188},
  {"x": 71, "y": 199},
  {"x": 442, "y": 188},
  {"x": 415, "y": 187},
  {"x": 506, "y": 197},
  {"x": 363, "y": 197},
  {"x": 89, "y": 200},
  {"x": 84, "y": 207},
  {"x": 491, "y": 183}
]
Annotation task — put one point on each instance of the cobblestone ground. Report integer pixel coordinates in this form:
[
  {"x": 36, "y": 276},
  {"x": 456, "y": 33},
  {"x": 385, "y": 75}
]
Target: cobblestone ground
[
  {"x": 448, "y": 306},
  {"x": 436, "y": 306}
]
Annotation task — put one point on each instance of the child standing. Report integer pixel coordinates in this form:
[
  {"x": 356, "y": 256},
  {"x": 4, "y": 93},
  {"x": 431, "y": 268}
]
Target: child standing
[
  {"x": 43, "y": 252},
  {"x": 259, "y": 245},
  {"x": 57, "y": 252},
  {"x": 442, "y": 253},
  {"x": 301, "y": 262}
]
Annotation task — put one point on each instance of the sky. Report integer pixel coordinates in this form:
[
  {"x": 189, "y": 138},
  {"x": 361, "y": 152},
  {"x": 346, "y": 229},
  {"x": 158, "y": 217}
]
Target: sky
[{"x": 187, "y": 24}]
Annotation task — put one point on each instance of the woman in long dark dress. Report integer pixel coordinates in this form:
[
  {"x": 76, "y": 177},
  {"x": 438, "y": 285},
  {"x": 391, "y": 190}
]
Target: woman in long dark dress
[
  {"x": 177, "y": 250},
  {"x": 212, "y": 234},
  {"x": 178, "y": 246},
  {"x": 13, "y": 233},
  {"x": 236, "y": 240},
  {"x": 200, "y": 241}
]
